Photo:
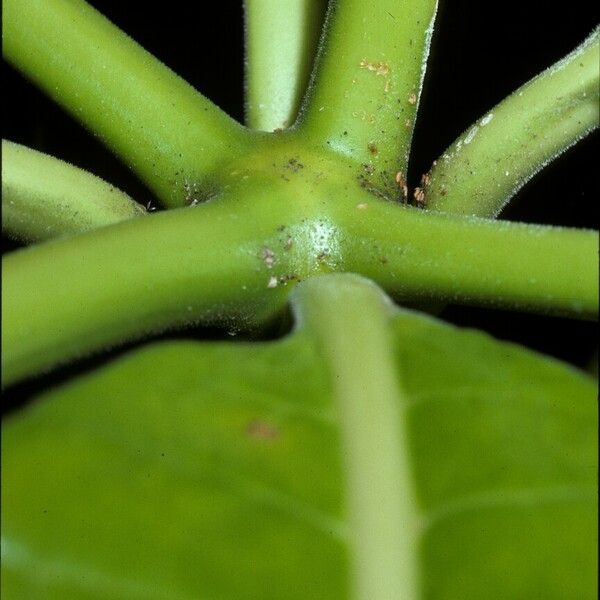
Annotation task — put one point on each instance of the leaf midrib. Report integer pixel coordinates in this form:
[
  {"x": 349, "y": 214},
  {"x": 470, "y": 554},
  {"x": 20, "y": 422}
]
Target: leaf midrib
[{"x": 349, "y": 319}]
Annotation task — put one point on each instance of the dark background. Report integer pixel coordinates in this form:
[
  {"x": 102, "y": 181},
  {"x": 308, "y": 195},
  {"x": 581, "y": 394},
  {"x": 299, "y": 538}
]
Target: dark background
[{"x": 481, "y": 52}]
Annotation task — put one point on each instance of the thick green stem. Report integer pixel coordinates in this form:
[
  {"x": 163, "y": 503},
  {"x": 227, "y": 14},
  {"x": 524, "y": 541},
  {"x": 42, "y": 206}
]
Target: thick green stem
[
  {"x": 496, "y": 156},
  {"x": 67, "y": 298},
  {"x": 382, "y": 510},
  {"x": 364, "y": 96},
  {"x": 236, "y": 258},
  {"x": 45, "y": 198},
  {"x": 281, "y": 41},
  {"x": 423, "y": 255},
  {"x": 169, "y": 134}
]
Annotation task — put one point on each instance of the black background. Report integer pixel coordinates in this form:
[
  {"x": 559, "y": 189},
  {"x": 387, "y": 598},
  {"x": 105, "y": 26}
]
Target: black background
[{"x": 481, "y": 52}]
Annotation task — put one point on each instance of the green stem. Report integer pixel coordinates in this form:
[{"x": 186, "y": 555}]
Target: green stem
[
  {"x": 168, "y": 133},
  {"x": 66, "y": 298},
  {"x": 494, "y": 158},
  {"x": 234, "y": 262},
  {"x": 281, "y": 40},
  {"x": 339, "y": 310},
  {"x": 45, "y": 198},
  {"x": 423, "y": 255},
  {"x": 364, "y": 96}
]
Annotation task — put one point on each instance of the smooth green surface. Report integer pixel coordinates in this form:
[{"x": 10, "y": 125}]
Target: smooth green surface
[
  {"x": 475, "y": 261},
  {"x": 488, "y": 164},
  {"x": 281, "y": 40},
  {"x": 170, "y": 135},
  {"x": 220, "y": 470},
  {"x": 44, "y": 197}
]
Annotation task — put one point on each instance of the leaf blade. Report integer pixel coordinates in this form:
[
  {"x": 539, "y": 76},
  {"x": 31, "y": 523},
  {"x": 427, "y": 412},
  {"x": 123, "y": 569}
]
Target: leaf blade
[{"x": 225, "y": 477}]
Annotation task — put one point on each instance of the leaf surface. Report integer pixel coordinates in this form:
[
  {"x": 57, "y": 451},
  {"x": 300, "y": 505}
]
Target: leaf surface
[{"x": 218, "y": 470}]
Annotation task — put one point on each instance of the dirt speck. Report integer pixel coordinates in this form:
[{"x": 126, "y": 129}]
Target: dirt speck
[
  {"x": 379, "y": 68},
  {"x": 419, "y": 197},
  {"x": 268, "y": 257},
  {"x": 287, "y": 277},
  {"x": 294, "y": 165},
  {"x": 401, "y": 181},
  {"x": 373, "y": 148},
  {"x": 261, "y": 430},
  {"x": 364, "y": 116}
]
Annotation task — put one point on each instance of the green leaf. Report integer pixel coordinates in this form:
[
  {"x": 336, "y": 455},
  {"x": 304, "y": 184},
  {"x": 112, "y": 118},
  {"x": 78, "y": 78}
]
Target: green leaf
[{"x": 221, "y": 470}]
